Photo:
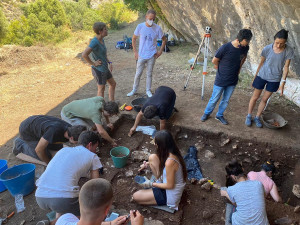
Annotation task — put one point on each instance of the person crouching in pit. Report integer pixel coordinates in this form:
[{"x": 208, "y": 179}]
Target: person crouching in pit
[{"x": 168, "y": 167}]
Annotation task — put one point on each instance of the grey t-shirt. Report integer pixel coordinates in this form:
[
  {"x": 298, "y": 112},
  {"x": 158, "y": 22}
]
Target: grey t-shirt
[
  {"x": 250, "y": 200},
  {"x": 273, "y": 66}
]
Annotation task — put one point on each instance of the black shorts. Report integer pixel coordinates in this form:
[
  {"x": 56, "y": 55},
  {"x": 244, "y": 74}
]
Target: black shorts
[
  {"x": 160, "y": 196},
  {"x": 260, "y": 84},
  {"x": 101, "y": 77}
]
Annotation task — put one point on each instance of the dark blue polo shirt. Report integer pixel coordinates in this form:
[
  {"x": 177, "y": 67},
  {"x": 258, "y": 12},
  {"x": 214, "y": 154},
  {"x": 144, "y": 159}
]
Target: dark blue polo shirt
[{"x": 230, "y": 62}]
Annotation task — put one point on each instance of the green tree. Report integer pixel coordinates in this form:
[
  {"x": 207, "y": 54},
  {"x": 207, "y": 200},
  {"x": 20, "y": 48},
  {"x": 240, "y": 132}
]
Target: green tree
[
  {"x": 3, "y": 24},
  {"x": 138, "y": 5},
  {"x": 50, "y": 11}
]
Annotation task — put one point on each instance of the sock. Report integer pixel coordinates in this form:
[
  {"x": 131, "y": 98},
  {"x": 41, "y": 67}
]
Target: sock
[{"x": 249, "y": 115}]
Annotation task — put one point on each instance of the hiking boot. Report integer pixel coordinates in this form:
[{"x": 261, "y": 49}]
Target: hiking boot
[
  {"x": 149, "y": 94},
  {"x": 248, "y": 121},
  {"x": 17, "y": 146},
  {"x": 131, "y": 93},
  {"x": 204, "y": 117},
  {"x": 257, "y": 122},
  {"x": 222, "y": 119}
]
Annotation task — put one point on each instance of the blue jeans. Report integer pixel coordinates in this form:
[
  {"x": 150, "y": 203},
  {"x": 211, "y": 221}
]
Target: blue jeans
[{"x": 216, "y": 95}]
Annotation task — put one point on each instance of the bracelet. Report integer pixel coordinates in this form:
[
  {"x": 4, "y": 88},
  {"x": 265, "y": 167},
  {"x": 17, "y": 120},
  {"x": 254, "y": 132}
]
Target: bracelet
[
  {"x": 283, "y": 81},
  {"x": 110, "y": 62}
]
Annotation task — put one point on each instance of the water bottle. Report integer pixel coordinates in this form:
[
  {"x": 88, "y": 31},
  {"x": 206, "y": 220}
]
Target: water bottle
[{"x": 19, "y": 203}]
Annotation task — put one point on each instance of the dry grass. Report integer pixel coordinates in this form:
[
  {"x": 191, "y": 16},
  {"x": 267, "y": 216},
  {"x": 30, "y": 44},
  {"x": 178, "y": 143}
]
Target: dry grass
[{"x": 35, "y": 79}]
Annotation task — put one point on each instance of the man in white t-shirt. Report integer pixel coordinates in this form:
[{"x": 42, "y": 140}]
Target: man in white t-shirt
[
  {"x": 95, "y": 200},
  {"x": 148, "y": 32},
  {"x": 57, "y": 188}
]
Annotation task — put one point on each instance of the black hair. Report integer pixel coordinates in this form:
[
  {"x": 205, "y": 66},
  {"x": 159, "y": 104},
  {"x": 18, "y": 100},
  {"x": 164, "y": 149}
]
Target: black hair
[
  {"x": 244, "y": 34},
  {"x": 111, "y": 107},
  {"x": 166, "y": 145},
  {"x": 150, "y": 111},
  {"x": 75, "y": 131},
  {"x": 233, "y": 168},
  {"x": 282, "y": 34},
  {"x": 269, "y": 166},
  {"x": 88, "y": 136}
]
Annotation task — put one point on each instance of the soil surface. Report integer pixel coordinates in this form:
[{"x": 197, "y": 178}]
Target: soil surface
[{"x": 41, "y": 80}]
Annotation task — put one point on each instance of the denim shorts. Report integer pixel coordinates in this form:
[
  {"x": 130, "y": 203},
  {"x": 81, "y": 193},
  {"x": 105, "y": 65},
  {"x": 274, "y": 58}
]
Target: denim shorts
[
  {"x": 101, "y": 77},
  {"x": 160, "y": 196},
  {"x": 260, "y": 84}
]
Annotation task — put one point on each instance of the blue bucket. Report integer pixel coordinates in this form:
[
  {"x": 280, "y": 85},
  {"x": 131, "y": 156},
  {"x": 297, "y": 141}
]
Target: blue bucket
[
  {"x": 19, "y": 179},
  {"x": 3, "y": 167}
]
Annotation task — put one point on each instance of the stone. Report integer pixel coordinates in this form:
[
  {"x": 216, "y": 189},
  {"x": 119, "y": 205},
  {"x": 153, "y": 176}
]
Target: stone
[
  {"x": 256, "y": 158},
  {"x": 268, "y": 150},
  {"x": 277, "y": 164},
  {"x": 207, "y": 186},
  {"x": 140, "y": 155},
  {"x": 129, "y": 173},
  {"x": 121, "y": 182},
  {"x": 235, "y": 146},
  {"x": 202, "y": 181},
  {"x": 224, "y": 142},
  {"x": 23, "y": 222},
  {"x": 200, "y": 145},
  {"x": 247, "y": 160},
  {"x": 209, "y": 154},
  {"x": 193, "y": 180},
  {"x": 296, "y": 190},
  {"x": 250, "y": 144},
  {"x": 207, "y": 214},
  {"x": 150, "y": 221},
  {"x": 297, "y": 209}
]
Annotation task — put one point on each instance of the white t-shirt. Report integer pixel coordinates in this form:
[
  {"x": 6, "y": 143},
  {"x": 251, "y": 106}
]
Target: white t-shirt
[
  {"x": 67, "y": 219},
  {"x": 148, "y": 39},
  {"x": 60, "y": 179}
]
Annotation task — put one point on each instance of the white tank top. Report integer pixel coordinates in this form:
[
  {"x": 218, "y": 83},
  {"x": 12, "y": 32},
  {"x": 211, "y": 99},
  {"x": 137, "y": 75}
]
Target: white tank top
[{"x": 174, "y": 195}]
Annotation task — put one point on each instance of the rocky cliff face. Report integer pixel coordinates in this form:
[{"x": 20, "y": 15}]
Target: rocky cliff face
[{"x": 227, "y": 17}]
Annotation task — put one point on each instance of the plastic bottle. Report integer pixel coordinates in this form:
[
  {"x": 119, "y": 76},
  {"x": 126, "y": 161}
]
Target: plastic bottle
[{"x": 19, "y": 201}]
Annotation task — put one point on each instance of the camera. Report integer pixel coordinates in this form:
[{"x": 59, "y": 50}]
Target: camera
[{"x": 208, "y": 29}]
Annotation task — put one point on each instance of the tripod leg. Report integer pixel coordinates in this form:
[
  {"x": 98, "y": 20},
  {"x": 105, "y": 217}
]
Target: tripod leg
[
  {"x": 205, "y": 65},
  {"x": 193, "y": 65}
]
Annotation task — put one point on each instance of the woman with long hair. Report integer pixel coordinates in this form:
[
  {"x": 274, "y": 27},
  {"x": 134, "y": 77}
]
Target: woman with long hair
[
  {"x": 271, "y": 74},
  {"x": 168, "y": 167}
]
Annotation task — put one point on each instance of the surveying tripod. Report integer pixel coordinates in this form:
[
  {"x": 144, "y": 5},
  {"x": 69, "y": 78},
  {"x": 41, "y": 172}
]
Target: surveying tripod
[{"x": 204, "y": 41}]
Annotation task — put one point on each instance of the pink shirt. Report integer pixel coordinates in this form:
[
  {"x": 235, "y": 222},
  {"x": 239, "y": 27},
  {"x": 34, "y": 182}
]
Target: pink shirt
[{"x": 263, "y": 178}]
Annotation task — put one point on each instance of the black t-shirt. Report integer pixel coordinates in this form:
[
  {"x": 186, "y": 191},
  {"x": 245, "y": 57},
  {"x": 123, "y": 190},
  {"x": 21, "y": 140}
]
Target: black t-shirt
[
  {"x": 230, "y": 62},
  {"x": 164, "y": 99},
  {"x": 50, "y": 128}
]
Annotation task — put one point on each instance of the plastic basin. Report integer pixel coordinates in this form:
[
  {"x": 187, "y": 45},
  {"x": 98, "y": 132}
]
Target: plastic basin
[
  {"x": 119, "y": 156},
  {"x": 3, "y": 167},
  {"x": 19, "y": 179}
]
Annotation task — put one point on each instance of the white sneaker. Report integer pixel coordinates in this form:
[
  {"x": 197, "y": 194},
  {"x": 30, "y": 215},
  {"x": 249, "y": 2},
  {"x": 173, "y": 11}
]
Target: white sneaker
[
  {"x": 131, "y": 93},
  {"x": 149, "y": 94}
]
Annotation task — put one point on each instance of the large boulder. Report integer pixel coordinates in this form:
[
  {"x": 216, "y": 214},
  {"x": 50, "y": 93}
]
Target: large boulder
[{"x": 226, "y": 18}]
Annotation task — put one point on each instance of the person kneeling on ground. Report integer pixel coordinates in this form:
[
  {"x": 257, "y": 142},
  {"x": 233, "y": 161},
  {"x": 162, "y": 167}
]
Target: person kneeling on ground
[
  {"x": 160, "y": 104},
  {"x": 95, "y": 200},
  {"x": 39, "y": 134},
  {"x": 90, "y": 112},
  {"x": 166, "y": 165},
  {"x": 247, "y": 196},
  {"x": 265, "y": 177},
  {"x": 57, "y": 188}
]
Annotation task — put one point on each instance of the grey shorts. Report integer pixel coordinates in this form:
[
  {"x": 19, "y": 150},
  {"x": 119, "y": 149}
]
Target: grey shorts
[
  {"x": 60, "y": 205},
  {"x": 101, "y": 77}
]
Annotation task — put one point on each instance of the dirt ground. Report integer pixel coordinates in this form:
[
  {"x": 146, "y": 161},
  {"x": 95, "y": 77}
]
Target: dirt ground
[{"x": 40, "y": 80}]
